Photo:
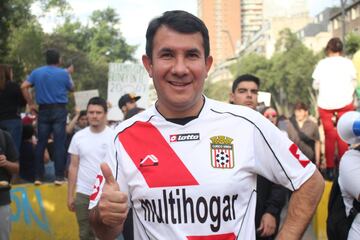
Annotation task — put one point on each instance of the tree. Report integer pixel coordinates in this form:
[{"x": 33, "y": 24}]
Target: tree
[
  {"x": 290, "y": 72},
  {"x": 352, "y": 43}
]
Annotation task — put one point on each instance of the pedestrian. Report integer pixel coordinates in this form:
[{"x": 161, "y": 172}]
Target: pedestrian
[
  {"x": 187, "y": 166},
  {"x": 52, "y": 85},
  {"x": 307, "y": 131},
  {"x": 87, "y": 148},
  {"x": 270, "y": 197},
  {"x": 11, "y": 101},
  {"x": 335, "y": 78},
  {"x": 127, "y": 102},
  {"x": 9, "y": 166}
]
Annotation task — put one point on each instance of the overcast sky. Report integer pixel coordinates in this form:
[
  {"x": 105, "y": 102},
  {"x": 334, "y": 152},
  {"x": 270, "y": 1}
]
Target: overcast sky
[{"x": 136, "y": 14}]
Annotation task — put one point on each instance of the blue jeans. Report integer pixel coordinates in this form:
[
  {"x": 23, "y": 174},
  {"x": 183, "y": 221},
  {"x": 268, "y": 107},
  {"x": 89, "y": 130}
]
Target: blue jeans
[
  {"x": 51, "y": 121},
  {"x": 14, "y": 127}
]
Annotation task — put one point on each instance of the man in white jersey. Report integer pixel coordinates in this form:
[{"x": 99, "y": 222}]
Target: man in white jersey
[
  {"x": 188, "y": 165},
  {"x": 88, "y": 149}
]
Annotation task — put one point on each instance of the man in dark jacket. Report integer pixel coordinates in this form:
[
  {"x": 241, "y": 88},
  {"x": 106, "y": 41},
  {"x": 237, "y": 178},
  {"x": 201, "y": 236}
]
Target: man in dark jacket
[{"x": 270, "y": 197}]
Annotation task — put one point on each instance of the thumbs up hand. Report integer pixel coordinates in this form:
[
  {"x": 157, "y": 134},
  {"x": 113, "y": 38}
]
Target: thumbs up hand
[{"x": 113, "y": 204}]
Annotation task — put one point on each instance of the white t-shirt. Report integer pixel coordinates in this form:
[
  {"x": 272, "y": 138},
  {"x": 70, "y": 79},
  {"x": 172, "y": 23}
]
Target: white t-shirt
[
  {"x": 199, "y": 179},
  {"x": 349, "y": 182},
  {"x": 335, "y": 78},
  {"x": 91, "y": 148}
]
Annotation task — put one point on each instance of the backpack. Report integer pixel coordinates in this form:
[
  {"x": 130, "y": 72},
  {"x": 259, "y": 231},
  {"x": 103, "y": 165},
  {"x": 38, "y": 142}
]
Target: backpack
[{"x": 338, "y": 224}]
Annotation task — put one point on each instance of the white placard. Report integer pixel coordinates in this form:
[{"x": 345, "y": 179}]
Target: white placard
[
  {"x": 82, "y": 98},
  {"x": 264, "y": 97},
  {"x": 126, "y": 78}
]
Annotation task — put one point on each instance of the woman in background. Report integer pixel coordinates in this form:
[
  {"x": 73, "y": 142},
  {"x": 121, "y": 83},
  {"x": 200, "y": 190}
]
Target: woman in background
[{"x": 11, "y": 100}]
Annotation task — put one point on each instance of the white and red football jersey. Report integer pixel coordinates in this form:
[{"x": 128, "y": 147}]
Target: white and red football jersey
[{"x": 198, "y": 180}]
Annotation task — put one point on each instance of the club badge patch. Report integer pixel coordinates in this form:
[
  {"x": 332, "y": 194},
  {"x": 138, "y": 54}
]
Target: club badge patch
[{"x": 222, "y": 152}]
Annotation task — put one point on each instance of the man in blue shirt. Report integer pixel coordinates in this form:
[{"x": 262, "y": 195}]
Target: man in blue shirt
[{"x": 52, "y": 85}]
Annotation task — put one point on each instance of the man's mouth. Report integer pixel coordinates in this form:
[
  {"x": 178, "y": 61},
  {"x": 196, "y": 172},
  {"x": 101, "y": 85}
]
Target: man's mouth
[{"x": 179, "y": 84}]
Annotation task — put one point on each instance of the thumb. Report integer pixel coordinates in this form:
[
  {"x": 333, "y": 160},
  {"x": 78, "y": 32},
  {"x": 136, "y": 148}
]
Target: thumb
[{"x": 109, "y": 178}]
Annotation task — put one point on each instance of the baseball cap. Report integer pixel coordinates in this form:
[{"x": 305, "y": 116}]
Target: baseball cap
[{"x": 128, "y": 97}]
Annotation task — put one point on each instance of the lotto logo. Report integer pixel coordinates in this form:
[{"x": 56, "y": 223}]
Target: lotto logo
[{"x": 184, "y": 137}]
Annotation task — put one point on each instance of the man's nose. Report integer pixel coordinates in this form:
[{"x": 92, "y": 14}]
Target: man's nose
[{"x": 180, "y": 66}]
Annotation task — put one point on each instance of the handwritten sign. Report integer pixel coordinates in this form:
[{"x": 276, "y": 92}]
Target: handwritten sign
[
  {"x": 126, "y": 78},
  {"x": 82, "y": 98}
]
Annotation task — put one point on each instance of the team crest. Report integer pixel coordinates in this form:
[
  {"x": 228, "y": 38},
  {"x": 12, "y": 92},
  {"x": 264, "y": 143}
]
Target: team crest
[{"x": 222, "y": 152}]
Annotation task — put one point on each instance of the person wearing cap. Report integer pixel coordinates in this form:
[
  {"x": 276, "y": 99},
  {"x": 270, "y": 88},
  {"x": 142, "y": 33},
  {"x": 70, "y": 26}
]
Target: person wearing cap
[{"x": 128, "y": 102}]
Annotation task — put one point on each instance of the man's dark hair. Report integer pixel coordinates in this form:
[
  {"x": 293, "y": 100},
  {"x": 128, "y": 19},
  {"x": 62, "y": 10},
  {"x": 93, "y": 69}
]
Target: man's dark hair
[
  {"x": 301, "y": 106},
  {"x": 52, "y": 56},
  {"x": 334, "y": 45},
  {"x": 243, "y": 78},
  {"x": 98, "y": 101},
  {"x": 179, "y": 21},
  {"x": 82, "y": 113}
]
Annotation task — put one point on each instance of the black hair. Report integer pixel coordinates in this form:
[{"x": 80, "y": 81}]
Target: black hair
[
  {"x": 180, "y": 21},
  {"x": 245, "y": 78},
  {"x": 334, "y": 45},
  {"x": 98, "y": 101},
  {"x": 82, "y": 113},
  {"x": 52, "y": 56}
]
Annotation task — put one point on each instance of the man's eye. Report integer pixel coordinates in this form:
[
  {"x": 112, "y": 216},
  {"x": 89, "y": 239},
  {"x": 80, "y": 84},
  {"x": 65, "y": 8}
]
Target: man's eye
[{"x": 166, "y": 55}]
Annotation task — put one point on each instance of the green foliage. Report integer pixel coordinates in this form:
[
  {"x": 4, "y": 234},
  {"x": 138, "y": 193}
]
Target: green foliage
[
  {"x": 89, "y": 48},
  {"x": 352, "y": 43},
  {"x": 218, "y": 90},
  {"x": 287, "y": 75}
]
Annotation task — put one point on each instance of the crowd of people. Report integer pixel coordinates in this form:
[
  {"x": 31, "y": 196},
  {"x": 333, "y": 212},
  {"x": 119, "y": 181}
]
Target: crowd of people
[{"x": 188, "y": 167}]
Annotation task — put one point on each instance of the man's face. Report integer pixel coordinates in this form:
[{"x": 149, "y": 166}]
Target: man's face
[
  {"x": 245, "y": 94},
  {"x": 96, "y": 116},
  {"x": 300, "y": 114},
  {"x": 178, "y": 68},
  {"x": 82, "y": 121},
  {"x": 130, "y": 105}
]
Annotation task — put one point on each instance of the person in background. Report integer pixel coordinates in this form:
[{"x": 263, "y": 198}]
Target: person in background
[
  {"x": 52, "y": 85},
  {"x": 87, "y": 149},
  {"x": 270, "y": 197},
  {"x": 11, "y": 100},
  {"x": 308, "y": 132},
  {"x": 78, "y": 122},
  {"x": 349, "y": 171},
  {"x": 216, "y": 151},
  {"x": 335, "y": 78},
  {"x": 9, "y": 166},
  {"x": 128, "y": 102}
]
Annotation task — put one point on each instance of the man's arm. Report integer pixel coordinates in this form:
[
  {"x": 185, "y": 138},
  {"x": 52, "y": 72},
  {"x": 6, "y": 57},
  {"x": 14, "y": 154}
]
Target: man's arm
[
  {"x": 302, "y": 206},
  {"x": 108, "y": 217},
  {"x": 12, "y": 167},
  {"x": 71, "y": 125},
  {"x": 73, "y": 173},
  {"x": 25, "y": 86}
]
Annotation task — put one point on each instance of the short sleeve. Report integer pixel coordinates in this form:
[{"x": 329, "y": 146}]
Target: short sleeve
[
  {"x": 73, "y": 147},
  {"x": 278, "y": 159}
]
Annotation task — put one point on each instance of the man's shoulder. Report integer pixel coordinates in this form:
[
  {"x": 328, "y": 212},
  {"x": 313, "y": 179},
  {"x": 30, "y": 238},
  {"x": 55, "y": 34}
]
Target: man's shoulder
[{"x": 232, "y": 109}]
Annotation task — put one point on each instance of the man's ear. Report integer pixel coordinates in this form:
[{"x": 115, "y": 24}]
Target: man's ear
[
  {"x": 147, "y": 64},
  {"x": 231, "y": 97}
]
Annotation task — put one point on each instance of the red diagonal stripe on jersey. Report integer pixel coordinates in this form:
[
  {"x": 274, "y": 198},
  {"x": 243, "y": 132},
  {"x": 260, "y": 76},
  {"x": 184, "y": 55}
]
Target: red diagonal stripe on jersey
[
  {"x": 295, "y": 151},
  {"x": 143, "y": 139},
  {"x": 226, "y": 236}
]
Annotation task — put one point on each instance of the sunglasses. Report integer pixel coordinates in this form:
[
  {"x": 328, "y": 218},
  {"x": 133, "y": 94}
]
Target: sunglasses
[{"x": 271, "y": 114}]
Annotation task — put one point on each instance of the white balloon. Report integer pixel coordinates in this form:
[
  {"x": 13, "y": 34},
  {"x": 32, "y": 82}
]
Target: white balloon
[{"x": 348, "y": 127}]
